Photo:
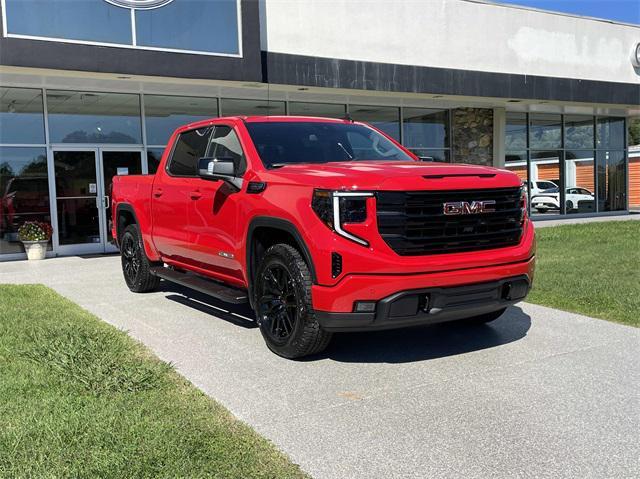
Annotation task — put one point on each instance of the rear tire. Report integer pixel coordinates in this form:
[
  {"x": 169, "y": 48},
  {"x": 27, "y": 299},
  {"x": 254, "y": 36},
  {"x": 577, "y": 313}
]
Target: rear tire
[
  {"x": 283, "y": 304},
  {"x": 486, "y": 318},
  {"x": 135, "y": 264}
]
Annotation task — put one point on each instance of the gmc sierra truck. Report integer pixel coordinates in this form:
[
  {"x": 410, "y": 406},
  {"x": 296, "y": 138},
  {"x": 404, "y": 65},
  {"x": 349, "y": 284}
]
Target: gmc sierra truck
[{"x": 323, "y": 226}]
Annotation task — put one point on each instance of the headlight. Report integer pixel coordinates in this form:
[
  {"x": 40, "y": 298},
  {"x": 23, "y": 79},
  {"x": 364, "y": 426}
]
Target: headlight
[{"x": 336, "y": 208}]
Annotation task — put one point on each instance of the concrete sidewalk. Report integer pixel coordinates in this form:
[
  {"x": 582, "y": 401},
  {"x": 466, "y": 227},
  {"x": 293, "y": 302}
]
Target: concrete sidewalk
[{"x": 539, "y": 393}]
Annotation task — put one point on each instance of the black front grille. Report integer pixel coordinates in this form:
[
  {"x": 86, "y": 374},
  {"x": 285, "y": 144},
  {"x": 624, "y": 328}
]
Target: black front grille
[{"x": 414, "y": 223}]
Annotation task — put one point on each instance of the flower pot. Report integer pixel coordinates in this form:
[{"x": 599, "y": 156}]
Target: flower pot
[{"x": 35, "y": 249}]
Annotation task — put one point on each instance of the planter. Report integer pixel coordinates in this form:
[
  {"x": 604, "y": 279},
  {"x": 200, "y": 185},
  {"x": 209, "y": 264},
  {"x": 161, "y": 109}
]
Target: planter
[{"x": 35, "y": 250}]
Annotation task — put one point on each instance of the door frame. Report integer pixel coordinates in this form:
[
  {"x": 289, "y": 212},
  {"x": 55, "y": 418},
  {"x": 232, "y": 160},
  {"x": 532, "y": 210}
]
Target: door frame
[
  {"x": 101, "y": 196},
  {"x": 104, "y": 235},
  {"x": 77, "y": 248}
]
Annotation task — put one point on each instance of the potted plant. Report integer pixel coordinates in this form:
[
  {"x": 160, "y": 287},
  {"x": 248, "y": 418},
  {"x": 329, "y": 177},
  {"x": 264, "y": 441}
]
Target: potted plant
[{"x": 35, "y": 236}]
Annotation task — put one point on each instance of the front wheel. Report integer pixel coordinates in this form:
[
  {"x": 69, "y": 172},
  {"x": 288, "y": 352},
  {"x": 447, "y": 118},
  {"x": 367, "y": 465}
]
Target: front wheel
[
  {"x": 283, "y": 304},
  {"x": 135, "y": 264}
]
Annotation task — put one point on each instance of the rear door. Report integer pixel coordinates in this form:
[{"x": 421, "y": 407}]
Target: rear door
[
  {"x": 173, "y": 195},
  {"x": 213, "y": 216}
]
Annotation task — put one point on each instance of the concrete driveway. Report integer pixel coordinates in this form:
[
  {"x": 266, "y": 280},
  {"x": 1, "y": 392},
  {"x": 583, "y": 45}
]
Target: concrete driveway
[{"x": 539, "y": 393}]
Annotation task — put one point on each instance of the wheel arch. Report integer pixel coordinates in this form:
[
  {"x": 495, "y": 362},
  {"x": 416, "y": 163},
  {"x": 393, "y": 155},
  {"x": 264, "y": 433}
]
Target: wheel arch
[
  {"x": 125, "y": 215},
  {"x": 264, "y": 231}
]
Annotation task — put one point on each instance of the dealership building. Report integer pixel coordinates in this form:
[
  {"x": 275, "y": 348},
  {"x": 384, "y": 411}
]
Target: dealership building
[{"x": 91, "y": 89}]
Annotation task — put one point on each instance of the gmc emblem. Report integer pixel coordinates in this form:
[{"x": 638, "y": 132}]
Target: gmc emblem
[{"x": 468, "y": 208}]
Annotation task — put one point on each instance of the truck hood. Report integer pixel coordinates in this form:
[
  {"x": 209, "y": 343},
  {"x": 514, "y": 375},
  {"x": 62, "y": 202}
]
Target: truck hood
[{"x": 393, "y": 175}]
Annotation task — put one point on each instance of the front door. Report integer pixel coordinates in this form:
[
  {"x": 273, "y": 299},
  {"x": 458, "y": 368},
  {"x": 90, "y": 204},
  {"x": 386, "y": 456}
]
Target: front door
[
  {"x": 114, "y": 163},
  {"x": 79, "y": 208},
  {"x": 83, "y": 203}
]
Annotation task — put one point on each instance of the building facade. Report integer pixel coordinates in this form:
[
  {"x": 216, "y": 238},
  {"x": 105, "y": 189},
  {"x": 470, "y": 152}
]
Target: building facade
[{"x": 93, "y": 89}]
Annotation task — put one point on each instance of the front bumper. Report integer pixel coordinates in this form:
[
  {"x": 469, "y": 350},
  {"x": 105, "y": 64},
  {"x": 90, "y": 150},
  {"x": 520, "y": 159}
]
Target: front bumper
[
  {"x": 400, "y": 299},
  {"x": 431, "y": 306}
]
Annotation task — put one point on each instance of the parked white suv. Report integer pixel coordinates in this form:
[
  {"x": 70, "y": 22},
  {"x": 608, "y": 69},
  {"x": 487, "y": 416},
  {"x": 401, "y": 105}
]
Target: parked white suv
[{"x": 550, "y": 199}]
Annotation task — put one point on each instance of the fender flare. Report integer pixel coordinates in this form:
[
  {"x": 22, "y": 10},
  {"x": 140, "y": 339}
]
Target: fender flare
[
  {"x": 279, "y": 224},
  {"x": 129, "y": 209}
]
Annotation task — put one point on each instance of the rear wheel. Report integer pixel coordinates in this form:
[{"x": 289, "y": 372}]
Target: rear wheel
[
  {"x": 486, "y": 318},
  {"x": 135, "y": 264},
  {"x": 283, "y": 304}
]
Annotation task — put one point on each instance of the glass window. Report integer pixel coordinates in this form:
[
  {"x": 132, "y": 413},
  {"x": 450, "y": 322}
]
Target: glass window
[
  {"x": 89, "y": 20},
  {"x": 579, "y": 180},
  {"x": 326, "y": 110},
  {"x": 163, "y": 114},
  {"x": 516, "y": 131},
  {"x": 232, "y": 107},
  {"x": 544, "y": 182},
  {"x": 610, "y": 132},
  {"x": 24, "y": 193},
  {"x": 578, "y": 132},
  {"x": 425, "y": 128},
  {"x": 87, "y": 117},
  {"x": 225, "y": 144},
  {"x": 154, "y": 155},
  {"x": 21, "y": 116},
  {"x": 384, "y": 118},
  {"x": 546, "y": 131},
  {"x": 281, "y": 143},
  {"x": 440, "y": 156},
  {"x": 197, "y": 25},
  {"x": 190, "y": 147},
  {"x": 612, "y": 180},
  {"x": 634, "y": 132}
]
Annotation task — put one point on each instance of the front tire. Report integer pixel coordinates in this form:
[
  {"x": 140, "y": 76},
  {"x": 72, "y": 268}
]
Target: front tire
[
  {"x": 283, "y": 304},
  {"x": 135, "y": 264}
]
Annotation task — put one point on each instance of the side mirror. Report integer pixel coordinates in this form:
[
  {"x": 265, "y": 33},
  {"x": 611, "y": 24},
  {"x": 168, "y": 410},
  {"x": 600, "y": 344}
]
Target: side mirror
[{"x": 217, "y": 169}]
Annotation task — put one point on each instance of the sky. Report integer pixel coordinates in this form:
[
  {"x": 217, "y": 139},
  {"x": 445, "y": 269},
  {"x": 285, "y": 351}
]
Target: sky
[{"x": 620, "y": 10}]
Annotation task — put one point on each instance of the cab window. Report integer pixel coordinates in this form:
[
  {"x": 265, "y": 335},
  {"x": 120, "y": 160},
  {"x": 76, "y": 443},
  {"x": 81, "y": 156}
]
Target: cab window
[{"x": 189, "y": 148}]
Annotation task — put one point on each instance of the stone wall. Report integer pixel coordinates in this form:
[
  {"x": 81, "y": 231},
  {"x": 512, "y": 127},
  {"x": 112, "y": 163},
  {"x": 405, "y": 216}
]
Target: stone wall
[{"x": 473, "y": 135}]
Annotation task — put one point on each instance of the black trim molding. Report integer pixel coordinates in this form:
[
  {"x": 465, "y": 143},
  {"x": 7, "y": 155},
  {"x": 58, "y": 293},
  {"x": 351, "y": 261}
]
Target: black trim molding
[{"x": 308, "y": 71}]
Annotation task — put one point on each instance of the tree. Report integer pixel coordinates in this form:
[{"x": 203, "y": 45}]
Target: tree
[{"x": 634, "y": 132}]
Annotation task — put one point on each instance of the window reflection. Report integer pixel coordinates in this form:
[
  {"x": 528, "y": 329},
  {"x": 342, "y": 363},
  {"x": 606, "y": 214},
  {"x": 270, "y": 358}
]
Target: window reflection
[
  {"x": 426, "y": 128},
  {"x": 233, "y": 107},
  {"x": 544, "y": 182},
  {"x": 612, "y": 180},
  {"x": 163, "y": 114},
  {"x": 610, "y": 132},
  {"x": 90, "y": 20},
  {"x": 545, "y": 131},
  {"x": 21, "y": 116},
  {"x": 440, "y": 156},
  {"x": 88, "y": 117},
  {"x": 516, "y": 131},
  {"x": 154, "y": 155},
  {"x": 579, "y": 181},
  {"x": 326, "y": 110},
  {"x": 384, "y": 118},
  {"x": 196, "y": 25},
  {"x": 579, "y": 132},
  {"x": 24, "y": 193}
]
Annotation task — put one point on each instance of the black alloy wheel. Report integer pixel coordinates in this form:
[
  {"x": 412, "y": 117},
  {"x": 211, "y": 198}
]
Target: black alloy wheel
[{"x": 278, "y": 307}]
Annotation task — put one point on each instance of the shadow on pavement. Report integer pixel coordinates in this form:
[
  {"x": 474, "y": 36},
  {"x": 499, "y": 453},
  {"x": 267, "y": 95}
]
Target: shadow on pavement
[
  {"x": 238, "y": 314},
  {"x": 427, "y": 342}
]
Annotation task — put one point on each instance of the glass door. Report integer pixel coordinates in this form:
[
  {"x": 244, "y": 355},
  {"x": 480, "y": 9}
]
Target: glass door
[
  {"x": 114, "y": 162},
  {"x": 78, "y": 209}
]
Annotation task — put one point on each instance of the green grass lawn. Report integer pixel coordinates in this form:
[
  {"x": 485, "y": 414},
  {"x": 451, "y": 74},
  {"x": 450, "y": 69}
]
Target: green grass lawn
[
  {"x": 592, "y": 268},
  {"x": 78, "y": 398}
]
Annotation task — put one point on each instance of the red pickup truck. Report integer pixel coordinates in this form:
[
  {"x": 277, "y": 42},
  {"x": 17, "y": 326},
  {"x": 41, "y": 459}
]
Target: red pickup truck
[{"x": 323, "y": 226}]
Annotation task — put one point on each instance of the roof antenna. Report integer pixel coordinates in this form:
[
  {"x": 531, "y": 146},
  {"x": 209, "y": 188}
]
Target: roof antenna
[{"x": 347, "y": 117}]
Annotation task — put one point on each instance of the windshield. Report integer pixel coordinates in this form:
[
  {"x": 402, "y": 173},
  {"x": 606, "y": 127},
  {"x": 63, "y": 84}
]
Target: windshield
[{"x": 284, "y": 142}]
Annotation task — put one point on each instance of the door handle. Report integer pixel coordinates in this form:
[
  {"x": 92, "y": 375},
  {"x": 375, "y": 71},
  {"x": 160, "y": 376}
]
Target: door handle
[
  {"x": 106, "y": 203},
  {"x": 157, "y": 193},
  {"x": 195, "y": 195}
]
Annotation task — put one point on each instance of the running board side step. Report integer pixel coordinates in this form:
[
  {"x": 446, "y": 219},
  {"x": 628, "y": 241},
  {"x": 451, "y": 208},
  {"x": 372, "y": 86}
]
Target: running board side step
[{"x": 217, "y": 290}]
